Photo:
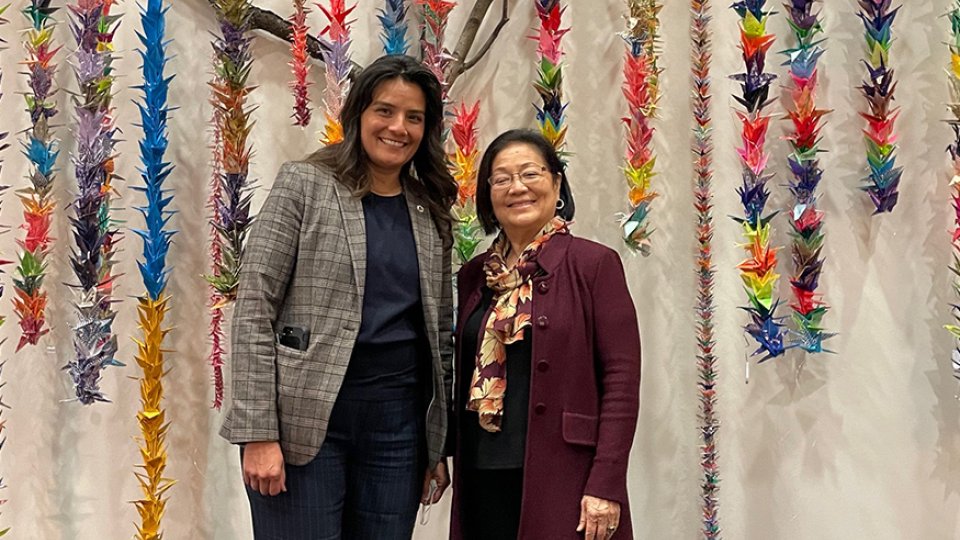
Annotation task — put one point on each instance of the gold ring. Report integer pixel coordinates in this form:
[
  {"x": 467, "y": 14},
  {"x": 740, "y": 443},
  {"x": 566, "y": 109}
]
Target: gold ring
[{"x": 612, "y": 528}]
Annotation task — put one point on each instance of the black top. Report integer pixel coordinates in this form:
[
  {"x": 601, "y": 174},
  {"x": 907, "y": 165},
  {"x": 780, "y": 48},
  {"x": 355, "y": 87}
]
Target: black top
[
  {"x": 391, "y": 295},
  {"x": 481, "y": 449},
  {"x": 384, "y": 363}
]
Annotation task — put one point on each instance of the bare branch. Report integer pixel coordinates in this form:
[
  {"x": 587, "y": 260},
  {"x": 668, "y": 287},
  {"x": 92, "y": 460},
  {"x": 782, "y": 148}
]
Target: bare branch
[
  {"x": 493, "y": 37},
  {"x": 460, "y": 64},
  {"x": 271, "y": 23}
]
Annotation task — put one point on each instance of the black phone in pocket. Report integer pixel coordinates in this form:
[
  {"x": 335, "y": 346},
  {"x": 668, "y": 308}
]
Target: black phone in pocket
[{"x": 294, "y": 337}]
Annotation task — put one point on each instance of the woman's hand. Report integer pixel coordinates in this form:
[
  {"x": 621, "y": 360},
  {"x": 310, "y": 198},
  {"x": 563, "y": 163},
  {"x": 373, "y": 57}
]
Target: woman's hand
[
  {"x": 599, "y": 518},
  {"x": 438, "y": 474},
  {"x": 263, "y": 467}
]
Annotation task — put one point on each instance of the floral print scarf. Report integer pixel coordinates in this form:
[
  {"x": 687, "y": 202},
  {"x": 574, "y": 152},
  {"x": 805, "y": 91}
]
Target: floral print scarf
[{"x": 510, "y": 313}]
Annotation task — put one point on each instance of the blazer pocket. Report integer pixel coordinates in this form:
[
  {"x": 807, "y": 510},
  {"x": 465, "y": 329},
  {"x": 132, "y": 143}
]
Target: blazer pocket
[
  {"x": 290, "y": 369},
  {"x": 580, "y": 429}
]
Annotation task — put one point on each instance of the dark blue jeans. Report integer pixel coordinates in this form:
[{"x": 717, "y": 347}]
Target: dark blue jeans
[{"x": 364, "y": 484}]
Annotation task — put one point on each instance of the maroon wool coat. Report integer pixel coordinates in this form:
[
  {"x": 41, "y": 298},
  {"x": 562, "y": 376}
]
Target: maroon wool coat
[{"x": 584, "y": 386}]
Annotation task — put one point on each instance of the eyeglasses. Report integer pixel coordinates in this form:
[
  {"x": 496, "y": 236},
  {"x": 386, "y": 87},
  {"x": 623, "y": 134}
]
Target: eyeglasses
[{"x": 528, "y": 177}]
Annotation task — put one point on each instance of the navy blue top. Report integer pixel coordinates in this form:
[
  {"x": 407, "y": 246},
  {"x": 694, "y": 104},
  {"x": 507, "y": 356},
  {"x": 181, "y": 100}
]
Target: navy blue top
[
  {"x": 481, "y": 449},
  {"x": 384, "y": 363}
]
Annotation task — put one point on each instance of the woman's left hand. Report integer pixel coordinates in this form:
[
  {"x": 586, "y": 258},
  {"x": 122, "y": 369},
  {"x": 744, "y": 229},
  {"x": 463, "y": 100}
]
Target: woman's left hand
[
  {"x": 442, "y": 478},
  {"x": 599, "y": 518}
]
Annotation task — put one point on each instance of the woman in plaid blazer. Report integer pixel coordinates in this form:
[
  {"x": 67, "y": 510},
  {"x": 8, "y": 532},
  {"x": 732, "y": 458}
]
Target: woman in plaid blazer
[{"x": 341, "y": 338}]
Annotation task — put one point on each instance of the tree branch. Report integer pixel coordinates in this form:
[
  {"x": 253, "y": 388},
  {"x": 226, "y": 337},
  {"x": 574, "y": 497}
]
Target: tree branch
[
  {"x": 504, "y": 19},
  {"x": 471, "y": 27},
  {"x": 271, "y": 23}
]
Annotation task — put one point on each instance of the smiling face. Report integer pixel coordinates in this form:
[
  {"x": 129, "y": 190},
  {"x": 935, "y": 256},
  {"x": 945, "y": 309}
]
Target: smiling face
[
  {"x": 522, "y": 209},
  {"x": 392, "y": 126}
]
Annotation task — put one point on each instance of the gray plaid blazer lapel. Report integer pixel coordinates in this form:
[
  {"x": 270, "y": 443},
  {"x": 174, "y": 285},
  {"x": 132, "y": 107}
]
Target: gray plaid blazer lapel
[
  {"x": 351, "y": 210},
  {"x": 424, "y": 236}
]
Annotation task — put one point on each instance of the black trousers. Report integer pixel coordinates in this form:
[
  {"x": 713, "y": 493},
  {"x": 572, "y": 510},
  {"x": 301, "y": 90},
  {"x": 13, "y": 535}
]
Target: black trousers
[{"x": 490, "y": 503}]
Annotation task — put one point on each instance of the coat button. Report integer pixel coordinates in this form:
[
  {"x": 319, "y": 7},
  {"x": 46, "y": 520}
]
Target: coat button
[
  {"x": 543, "y": 366},
  {"x": 543, "y": 287},
  {"x": 542, "y": 321},
  {"x": 540, "y": 408}
]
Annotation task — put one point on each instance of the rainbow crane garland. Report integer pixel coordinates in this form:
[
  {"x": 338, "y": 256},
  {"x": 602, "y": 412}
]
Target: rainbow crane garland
[
  {"x": 217, "y": 337},
  {"x": 883, "y": 180},
  {"x": 153, "y": 306},
  {"x": 759, "y": 270},
  {"x": 700, "y": 55},
  {"x": 42, "y": 148},
  {"x": 3, "y": 441},
  {"x": 806, "y": 219},
  {"x": 953, "y": 74},
  {"x": 641, "y": 88},
  {"x": 393, "y": 20},
  {"x": 95, "y": 232},
  {"x": 467, "y": 233},
  {"x": 231, "y": 197},
  {"x": 337, "y": 60},
  {"x": 3, "y": 145},
  {"x": 551, "y": 113},
  {"x": 300, "y": 65},
  {"x": 436, "y": 14}
]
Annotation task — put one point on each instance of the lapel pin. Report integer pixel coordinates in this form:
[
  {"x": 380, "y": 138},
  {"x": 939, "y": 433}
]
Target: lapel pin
[{"x": 420, "y": 208}]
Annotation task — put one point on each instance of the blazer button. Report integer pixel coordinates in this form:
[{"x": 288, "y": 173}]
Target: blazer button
[
  {"x": 542, "y": 321},
  {"x": 543, "y": 287},
  {"x": 540, "y": 408},
  {"x": 543, "y": 366}
]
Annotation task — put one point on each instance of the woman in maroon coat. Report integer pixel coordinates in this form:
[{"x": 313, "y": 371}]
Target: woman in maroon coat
[{"x": 548, "y": 365}]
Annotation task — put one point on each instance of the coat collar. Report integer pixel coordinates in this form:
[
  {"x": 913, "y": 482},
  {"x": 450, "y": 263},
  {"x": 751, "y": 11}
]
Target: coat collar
[
  {"x": 551, "y": 254},
  {"x": 551, "y": 257}
]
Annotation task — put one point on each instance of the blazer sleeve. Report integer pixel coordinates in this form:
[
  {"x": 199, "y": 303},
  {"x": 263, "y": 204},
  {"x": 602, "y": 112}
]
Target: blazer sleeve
[
  {"x": 268, "y": 262},
  {"x": 617, "y": 356}
]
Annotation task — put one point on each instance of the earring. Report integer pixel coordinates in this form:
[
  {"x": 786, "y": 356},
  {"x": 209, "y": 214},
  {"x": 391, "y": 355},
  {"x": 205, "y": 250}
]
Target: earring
[{"x": 560, "y": 204}]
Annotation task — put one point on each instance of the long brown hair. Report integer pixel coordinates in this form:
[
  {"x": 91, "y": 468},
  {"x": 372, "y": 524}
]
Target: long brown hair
[{"x": 429, "y": 180}]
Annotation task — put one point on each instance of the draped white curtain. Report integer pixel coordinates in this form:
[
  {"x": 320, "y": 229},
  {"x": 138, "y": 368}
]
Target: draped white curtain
[{"x": 864, "y": 444}]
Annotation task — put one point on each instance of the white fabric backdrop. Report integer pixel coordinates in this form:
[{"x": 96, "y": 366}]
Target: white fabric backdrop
[{"x": 864, "y": 445}]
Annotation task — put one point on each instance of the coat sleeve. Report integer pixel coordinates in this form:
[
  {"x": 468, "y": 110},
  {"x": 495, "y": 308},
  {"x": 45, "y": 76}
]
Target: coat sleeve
[
  {"x": 268, "y": 262},
  {"x": 445, "y": 319},
  {"x": 617, "y": 358}
]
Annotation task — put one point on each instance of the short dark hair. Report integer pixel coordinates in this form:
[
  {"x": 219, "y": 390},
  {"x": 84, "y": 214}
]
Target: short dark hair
[
  {"x": 549, "y": 154},
  {"x": 433, "y": 182}
]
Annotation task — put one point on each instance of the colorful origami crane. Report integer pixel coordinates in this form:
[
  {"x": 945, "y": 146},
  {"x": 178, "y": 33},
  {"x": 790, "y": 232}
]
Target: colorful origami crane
[
  {"x": 707, "y": 366},
  {"x": 467, "y": 233},
  {"x": 436, "y": 14},
  {"x": 641, "y": 88},
  {"x": 549, "y": 84},
  {"x": 806, "y": 219},
  {"x": 337, "y": 61},
  {"x": 41, "y": 147},
  {"x": 759, "y": 270},
  {"x": 883, "y": 178},
  {"x": 300, "y": 64},
  {"x": 94, "y": 230},
  {"x": 953, "y": 77},
  {"x": 231, "y": 195},
  {"x": 153, "y": 305},
  {"x": 393, "y": 20}
]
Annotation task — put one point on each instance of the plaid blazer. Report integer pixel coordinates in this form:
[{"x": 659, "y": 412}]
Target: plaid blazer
[{"x": 304, "y": 265}]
